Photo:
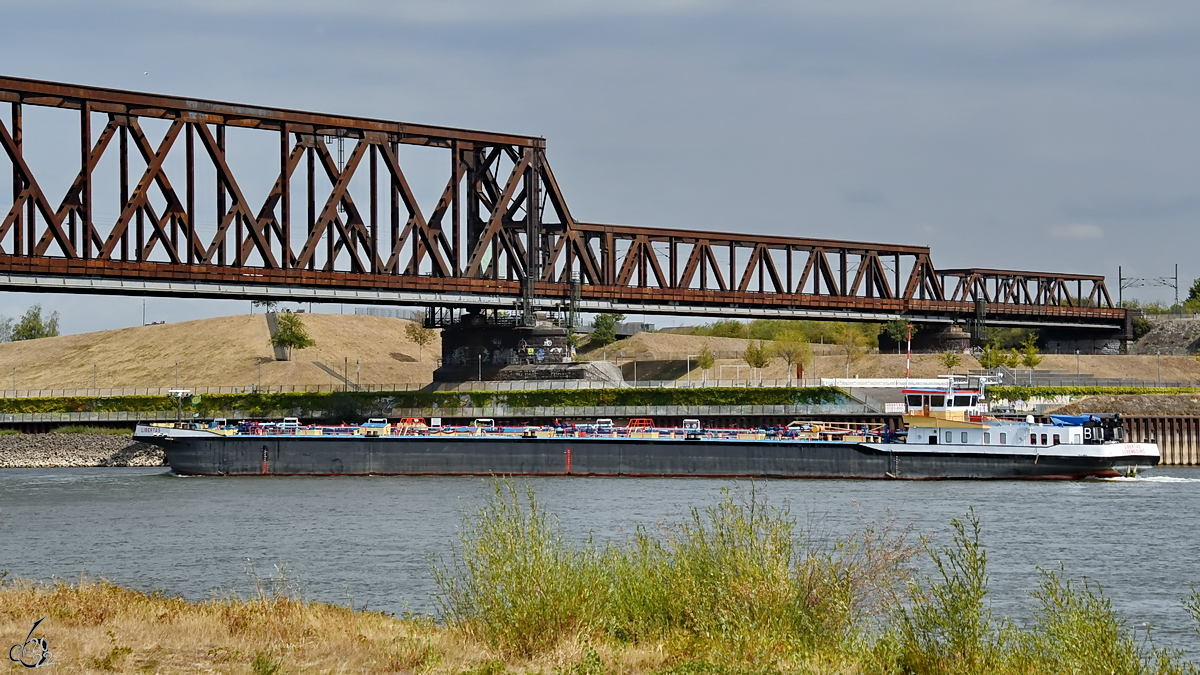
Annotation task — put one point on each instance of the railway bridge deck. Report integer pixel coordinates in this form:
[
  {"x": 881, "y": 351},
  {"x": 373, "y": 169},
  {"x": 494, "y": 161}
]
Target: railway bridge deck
[{"x": 341, "y": 223}]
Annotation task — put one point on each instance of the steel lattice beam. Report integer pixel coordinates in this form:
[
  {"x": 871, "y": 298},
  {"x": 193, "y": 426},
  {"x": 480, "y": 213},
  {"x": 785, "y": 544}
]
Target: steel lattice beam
[{"x": 187, "y": 223}]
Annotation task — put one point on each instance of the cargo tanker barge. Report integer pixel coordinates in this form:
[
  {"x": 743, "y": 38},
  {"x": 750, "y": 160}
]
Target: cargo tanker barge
[{"x": 941, "y": 440}]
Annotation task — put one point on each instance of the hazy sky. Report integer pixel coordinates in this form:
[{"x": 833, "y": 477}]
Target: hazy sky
[{"x": 1025, "y": 135}]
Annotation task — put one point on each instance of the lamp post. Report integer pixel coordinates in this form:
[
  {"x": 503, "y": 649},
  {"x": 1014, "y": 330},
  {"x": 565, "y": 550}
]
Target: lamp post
[
  {"x": 179, "y": 395},
  {"x": 481, "y": 367},
  {"x": 1076, "y": 367},
  {"x": 1159, "y": 382},
  {"x": 689, "y": 366},
  {"x": 908, "y": 358},
  {"x": 95, "y": 379}
]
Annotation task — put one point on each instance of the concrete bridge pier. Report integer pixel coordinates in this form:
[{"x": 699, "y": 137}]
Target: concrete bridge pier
[{"x": 478, "y": 347}]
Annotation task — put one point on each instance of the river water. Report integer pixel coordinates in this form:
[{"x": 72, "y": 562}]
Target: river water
[{"x": 369, "y": 541}]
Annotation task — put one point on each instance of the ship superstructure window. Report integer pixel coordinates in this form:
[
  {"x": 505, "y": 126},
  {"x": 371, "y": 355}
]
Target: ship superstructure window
[
  {"x": 1003, "y": 438},
  {"x": 1033, "y": 439},
  {"x": 962, "y": 401},
  {"x": 937, "y": 401},
  {"x": 1043, "y": 439},
  {"x": 963, "y": 437},
  {"x": 1056, "y": 439},
  {"x": 987, "y": 438},
  {"x": 949, "y": 436}
]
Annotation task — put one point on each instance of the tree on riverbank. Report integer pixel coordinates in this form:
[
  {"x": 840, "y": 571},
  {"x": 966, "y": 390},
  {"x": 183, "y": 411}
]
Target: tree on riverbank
[
  {"x": 950, "y": 359},
  {"x": 604, "y": 329},
  {"x": 794, "y": 350},
  {"x": 290, "y": 333},
  {"x": 1030, "y": 354},
  {"x": 756, "y": 355},
  {"x": 705, "y": 360},
  {"x": 418, "y": 333},
  {"x": 31, "y": 325}
]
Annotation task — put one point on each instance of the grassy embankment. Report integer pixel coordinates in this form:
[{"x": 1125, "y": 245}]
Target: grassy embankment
[{"x": 737, "y": 588}]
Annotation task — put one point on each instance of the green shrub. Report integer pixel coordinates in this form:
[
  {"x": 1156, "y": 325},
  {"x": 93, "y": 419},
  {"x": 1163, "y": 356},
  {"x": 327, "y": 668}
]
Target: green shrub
[
  {"x": 736, "y": 588},
  {"x": 264, "y": 663},
  {"x": 948, "y": 628},
  {"x": 1141, "y": 326},
  {"x": 736, "y": 583},
  {"x": 945, "y": 626},
  {"x": 96, "y": 431},
  {"x": 1192, "y": 605},
  {"x": 516, "y": 584},
  {"x": 1077, "y": 630}
]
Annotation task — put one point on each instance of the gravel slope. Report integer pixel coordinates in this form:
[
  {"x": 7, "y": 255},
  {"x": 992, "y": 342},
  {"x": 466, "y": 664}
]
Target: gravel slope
[{"x": 44, "y": 451}]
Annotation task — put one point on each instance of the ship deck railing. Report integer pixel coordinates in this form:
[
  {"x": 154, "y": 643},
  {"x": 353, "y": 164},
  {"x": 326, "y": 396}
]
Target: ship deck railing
[{"x": 815, "y": 431}]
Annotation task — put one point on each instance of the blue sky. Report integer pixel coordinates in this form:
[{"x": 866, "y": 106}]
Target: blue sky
[{"x": 1025, "y": 135}]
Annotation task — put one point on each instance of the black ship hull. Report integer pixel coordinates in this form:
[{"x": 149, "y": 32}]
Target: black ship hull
[{"x": 211, "y": 454}]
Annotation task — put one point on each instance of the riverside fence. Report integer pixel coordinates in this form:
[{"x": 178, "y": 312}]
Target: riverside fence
[{"x": 474, "y": 385}]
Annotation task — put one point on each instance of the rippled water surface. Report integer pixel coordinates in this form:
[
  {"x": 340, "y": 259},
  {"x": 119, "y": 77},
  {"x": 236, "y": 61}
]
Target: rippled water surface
[{"x": 369, "y": 540}]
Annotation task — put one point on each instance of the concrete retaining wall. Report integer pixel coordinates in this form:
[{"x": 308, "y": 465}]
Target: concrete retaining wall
[{"x": 45, "y": 451}]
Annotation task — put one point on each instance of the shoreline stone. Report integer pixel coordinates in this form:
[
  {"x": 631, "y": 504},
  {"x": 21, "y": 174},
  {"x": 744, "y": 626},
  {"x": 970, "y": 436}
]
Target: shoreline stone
[{"x": 52, "y": 451}]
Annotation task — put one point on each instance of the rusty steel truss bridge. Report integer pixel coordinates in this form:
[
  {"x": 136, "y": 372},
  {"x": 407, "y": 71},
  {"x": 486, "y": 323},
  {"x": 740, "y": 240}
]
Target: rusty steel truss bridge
[{"x": 153, "y": 206}]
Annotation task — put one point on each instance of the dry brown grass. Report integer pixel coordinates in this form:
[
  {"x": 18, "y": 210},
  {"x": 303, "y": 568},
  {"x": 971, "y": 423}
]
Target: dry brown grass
[
  {"x": 97, "y": 627},
  {"x": 224, "y": 351},
  {"x": 831, "y": 361},
  {"x": 227, "y": 351}
]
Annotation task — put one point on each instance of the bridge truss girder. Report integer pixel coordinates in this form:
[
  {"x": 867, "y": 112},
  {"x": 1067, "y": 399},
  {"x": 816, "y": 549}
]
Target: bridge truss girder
[{"x": 185, "y": 220}]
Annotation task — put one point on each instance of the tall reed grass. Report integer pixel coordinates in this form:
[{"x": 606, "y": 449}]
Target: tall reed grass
[
  {"x": 738, "y": 587},
  {"x": 945, "y": 627},
  {"x": 736, "y": 582}
]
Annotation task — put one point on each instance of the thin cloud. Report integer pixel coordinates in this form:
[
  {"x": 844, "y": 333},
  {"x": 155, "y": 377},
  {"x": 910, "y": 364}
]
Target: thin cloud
[
  {"x": 864, "y": 196},
  {"x": 440, "y": 11},
  {"x": 1077, "y": 232},
  {"x": 1133, "y": 208}
]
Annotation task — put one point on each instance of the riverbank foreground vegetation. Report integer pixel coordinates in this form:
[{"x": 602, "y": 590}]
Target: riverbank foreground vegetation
[{"x": 735, "y": 588}]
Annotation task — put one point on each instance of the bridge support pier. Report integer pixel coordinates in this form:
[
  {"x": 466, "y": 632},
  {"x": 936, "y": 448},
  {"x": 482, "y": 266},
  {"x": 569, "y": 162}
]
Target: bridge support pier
[
  {"x": 930, "y": 338},
  {"x": 1067, "y": 341},
  {"x": 478, "y": 349}
]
